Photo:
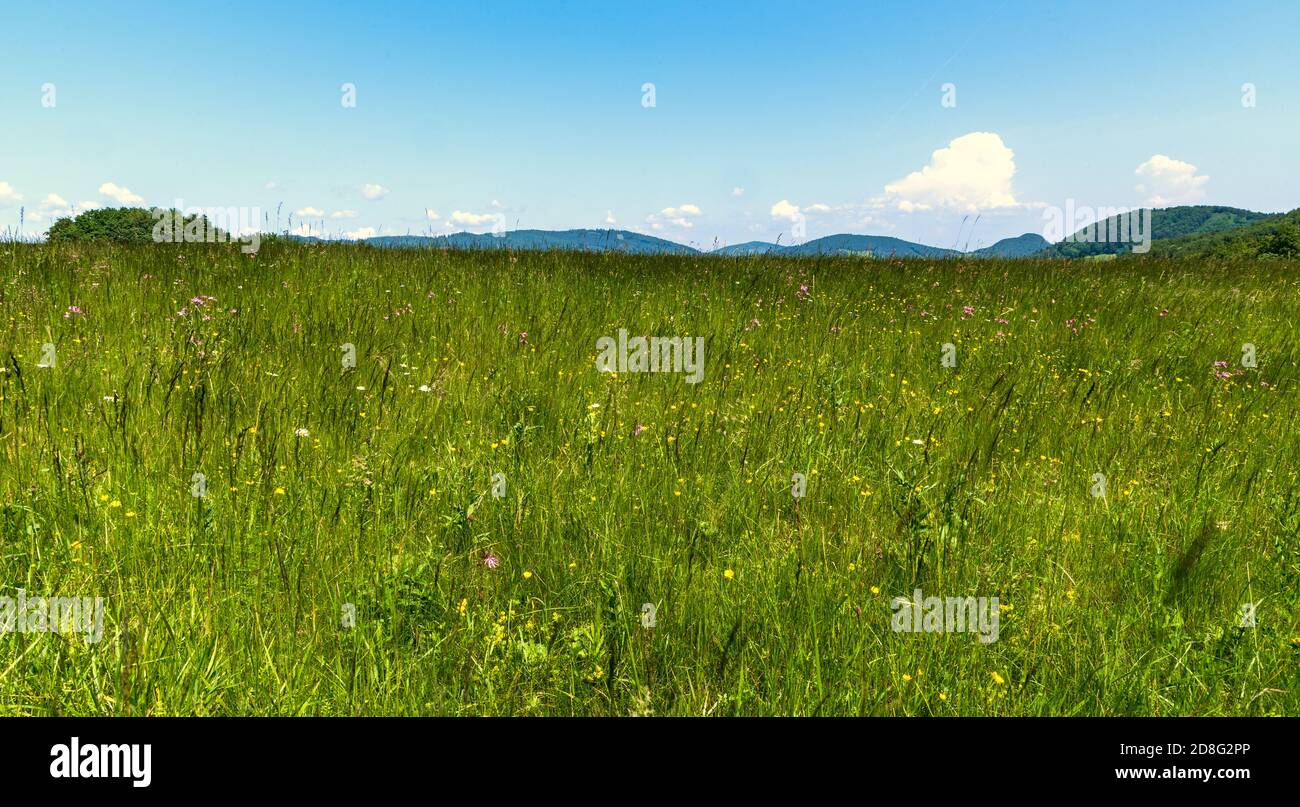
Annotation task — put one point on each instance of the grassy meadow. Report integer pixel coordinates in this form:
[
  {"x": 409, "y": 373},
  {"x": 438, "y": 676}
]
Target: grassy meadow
[{"x": 364, "y": 495}]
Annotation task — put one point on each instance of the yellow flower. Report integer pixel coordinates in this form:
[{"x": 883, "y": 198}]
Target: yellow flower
[
  {"x": 943, "y": 696},
  {"x": 528, "y": 575},
  {"x": 852, "y": 567},
  {"x": 103, "y": 497},
  {"x": 279, "y": 491},
  {"x": 115, "y": 503},
  {"x": 906, "y": 678},
  {"x": 464, "y": 603},
  {"x": 130, "y": 514},
  {"x": 875, "y": 589},
  {"x": 728, "y": 574},
  {"x": 997, "y": 679}
]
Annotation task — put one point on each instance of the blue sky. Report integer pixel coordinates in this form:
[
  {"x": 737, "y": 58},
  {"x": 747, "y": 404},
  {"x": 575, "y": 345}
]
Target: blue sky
[{"x": 766, "y": 115}]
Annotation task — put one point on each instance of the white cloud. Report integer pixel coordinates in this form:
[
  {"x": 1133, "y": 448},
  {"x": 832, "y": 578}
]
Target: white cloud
[
  {"x": 121, "y": 195},
  {"x": 609, "y": 217},
  {"x": 310, "y": 213},
  {"x": 364, "y": 232},
  {"x": 52, "y": 206},
  {"x": 344, "y": 214},
  {"x": 737, "y": 191},
  {"x": 372, "y": 191},
  {"x": 679, "y": 216},
  {"x": 784, "y": 210},
  {"x": 8, "y": 195},
  {"x": 819, "y": 208},
  {"x": 972, "y": 173},
  {"x": 473, "y": 219},
  {"x": 1170, "y": 181},
  {"x": 497, "y": 205},
  {"x": 272, "y": 185},
  {"x": 84, "y": 206}
]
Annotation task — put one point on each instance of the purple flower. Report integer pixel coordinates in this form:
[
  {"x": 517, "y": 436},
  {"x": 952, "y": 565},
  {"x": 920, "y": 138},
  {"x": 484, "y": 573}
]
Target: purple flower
[{"x": 491, "y": 561}]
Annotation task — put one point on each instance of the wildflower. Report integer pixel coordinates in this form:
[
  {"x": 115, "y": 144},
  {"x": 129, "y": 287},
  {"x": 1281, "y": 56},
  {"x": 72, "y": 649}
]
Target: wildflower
[
  {"x": 301, "y": 433},
  {"x": 491, "y": 561},
  {"x": 464, "y": 603},
  {"x": 115, "y": 503},
  {"x": 852, "y": 567},
  {"x": 279, "y": 491},
  {"x": 943, "y": 696},
  {"x": 528, "y": 575},
  {"x": 906, "y": 678},
  {"x": 875, "y": 589},
  {"x": 997, "y": 679},
  {"x": 637, "y": 431},
  {"x": 729, "y": 574}
]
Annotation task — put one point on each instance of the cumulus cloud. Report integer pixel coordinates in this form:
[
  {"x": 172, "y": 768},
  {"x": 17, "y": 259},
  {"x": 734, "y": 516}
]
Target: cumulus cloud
[
  {"x": 364, "y": 232},
  {"x": 473, "y": 219},
  {"x": 609, "y": 217},
  {"x": 344, "y": 214},
  {"x": 372, "y": 191},
  {"x": 679, "y": 216},
  {"x": 120, "y": 194},
  {"x": 784, "y": 210},
  {"x": 1170, "y": 181},
  {"x": 310, "y": 213},
  {"x": 8, "y": 195},
  {"x": 819, "y": 208},
  {"x": 972, "y": 173},
  {"x": 52, "y": 206}
]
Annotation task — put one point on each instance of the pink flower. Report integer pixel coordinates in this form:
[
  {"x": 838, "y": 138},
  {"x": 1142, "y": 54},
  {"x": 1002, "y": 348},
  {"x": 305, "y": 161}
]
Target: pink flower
[
  {"x": 491, "y": 561},
  {"x": 637, "y": 431},
  {"x": 523, "y": 337}
]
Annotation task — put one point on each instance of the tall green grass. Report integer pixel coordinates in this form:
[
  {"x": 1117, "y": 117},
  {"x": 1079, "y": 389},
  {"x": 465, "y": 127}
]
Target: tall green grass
[{"x": 973, "y": 481}]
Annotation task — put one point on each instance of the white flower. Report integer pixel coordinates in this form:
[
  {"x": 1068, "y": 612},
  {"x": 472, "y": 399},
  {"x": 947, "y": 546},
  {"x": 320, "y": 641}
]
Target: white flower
[
  {"x": 301, "y": 433},
  {"x": 425, "y": 388}
]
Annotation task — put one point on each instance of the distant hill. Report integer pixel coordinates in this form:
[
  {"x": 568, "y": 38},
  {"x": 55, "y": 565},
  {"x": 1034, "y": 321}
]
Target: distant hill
[
  {"x": 879, "y": 246},
  {"x": 1277, "y": 234},
  {"x": 1166, "y": 223},
  {"x": 582, "y": 240},
  {"x": 1022, "y": 246},
  {"x": 1186, "y": 230},
  {"x": 748, "y": 248}
]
